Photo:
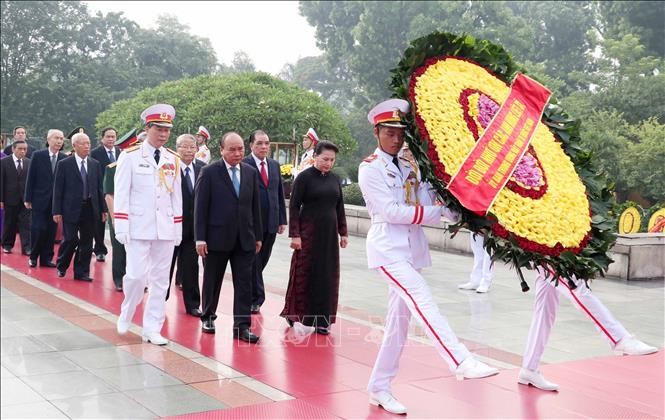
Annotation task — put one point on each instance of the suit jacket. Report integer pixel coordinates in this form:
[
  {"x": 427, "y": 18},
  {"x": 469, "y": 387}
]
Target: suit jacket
[
  {"x": 12, "y": 186},
  {"x": 188, "y": 201},
  {"x": 273, "y": 208},
  {"x": 100, "y": 155},
  {"x": 68, "y": 189},
  {"x": 221, "y": 217},
  {"x": 39, "y": 184}
]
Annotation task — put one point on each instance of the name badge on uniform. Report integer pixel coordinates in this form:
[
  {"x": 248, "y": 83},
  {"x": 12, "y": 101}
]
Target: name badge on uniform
[
  {"x": 391, "y": 174},
  {"x": 144, "y": 165}
]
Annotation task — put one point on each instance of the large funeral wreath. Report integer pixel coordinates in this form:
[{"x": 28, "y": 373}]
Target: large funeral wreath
[{"x": 553, "y": 212}]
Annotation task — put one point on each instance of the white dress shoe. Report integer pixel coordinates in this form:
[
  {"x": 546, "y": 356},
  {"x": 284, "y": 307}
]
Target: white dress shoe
[
  {"x": 529, "y": 377},
  {"x": 467, "y": 286},
  {"x": 155, "y": 338},
  {"x": 634, "y": 347},
  {"x": 482, "y": 289},
  {"x": 471, "y": 368},
  {"x": 122, "y": 327},
  {"x": 385, "y": 400}
]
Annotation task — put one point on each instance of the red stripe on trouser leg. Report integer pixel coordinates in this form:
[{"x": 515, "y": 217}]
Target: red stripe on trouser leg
[
  {"x": 564, "y": 282},
  {"x": 415, "y": 215},
  {"x": 415, "y": 305},
  {"x": 422, "y": 213}
]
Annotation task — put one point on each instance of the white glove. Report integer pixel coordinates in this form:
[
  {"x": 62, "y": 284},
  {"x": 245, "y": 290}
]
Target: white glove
[
  {"x": 177, "y": 241},
  {"x": 449, "y": 214},
  {"x": 123, "y": 238}
]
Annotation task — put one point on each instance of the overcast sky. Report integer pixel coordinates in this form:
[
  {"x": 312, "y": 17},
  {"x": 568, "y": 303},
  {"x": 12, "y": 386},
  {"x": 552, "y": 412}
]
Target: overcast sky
[{"x": 272, "y": 33}]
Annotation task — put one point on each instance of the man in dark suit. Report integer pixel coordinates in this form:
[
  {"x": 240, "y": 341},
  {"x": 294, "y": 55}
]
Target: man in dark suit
[
  {"x": 273, "y": 209},
  {"x": 227, "y": 226},
  {"x": 39, "y": 198},
  {"x": 78, "y": 202},
  {"x": 20, "y": 134},
  {"x": 13, "y": 172},
  {"x": 187, "y": 275},
  {"x": 106, "y": 153}
]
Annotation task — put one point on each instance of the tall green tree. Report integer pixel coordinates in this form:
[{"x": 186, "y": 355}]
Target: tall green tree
[{"x": 61, "y": 65}]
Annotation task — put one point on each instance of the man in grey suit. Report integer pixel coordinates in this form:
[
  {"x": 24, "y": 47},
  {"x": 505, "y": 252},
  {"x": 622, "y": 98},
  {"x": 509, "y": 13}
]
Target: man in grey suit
[
  {"x": 273, "y": 209},
  {"x": 227, "y": 226}
]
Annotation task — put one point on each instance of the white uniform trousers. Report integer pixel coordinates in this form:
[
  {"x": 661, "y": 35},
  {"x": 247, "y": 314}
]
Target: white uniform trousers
[
  {"x": 409, "y": 296},
  {"x": 483, "y": 269},
  {"x": 148, "y": 263},
  {"x": 544, "y": 313}
]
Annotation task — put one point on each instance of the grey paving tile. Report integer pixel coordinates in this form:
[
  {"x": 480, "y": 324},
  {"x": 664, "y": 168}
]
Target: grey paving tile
[
  {"x": 40, "y": 364},
  {"x": 15, "y": 391},
  {"x": 175, "y": 400},
  {"x": 106, "y": 406},
  {"x": 19, "y": 309},
  {"x": 67, "y": 384},
  {"x": 9, "y": 329},
  {"x": 6, "y": 373},
  {"x": 34, "y": 410},
  {"x": 99, "y": 358},
  {"x": 6, "y": 293},
  {"x": 72, "y": 340},
  {"x": 135, "y": 377},
  {"x": 37, "y": 326},
  {"x": 23, "y": 345}
]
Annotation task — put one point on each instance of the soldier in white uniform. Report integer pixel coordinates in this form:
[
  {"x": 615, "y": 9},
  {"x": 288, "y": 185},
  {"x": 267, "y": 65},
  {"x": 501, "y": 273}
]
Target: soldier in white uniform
[
  {"x": 309, "y": 141},
  {"x": 148, "y": 220},
  {"x": 545, "y": 308},
  {"x": 397, "y": 249},
  {"x": 203, "y": 153},
  {"x": 483, "y": 268}
]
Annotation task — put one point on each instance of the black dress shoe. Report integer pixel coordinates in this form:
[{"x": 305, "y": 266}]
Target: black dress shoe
[
  {"x": 208, "y": 326},
  {"x": 255, "y": 309},
  {"x": 118, "y": 288},
  {"x": 322, "y": 330},
  {"x": 25, "y": 252},
  {"x": 288, "y": 321},
  {"x": 101, "y": 257},
  {"x": 46, "y": 264},
  {"x": 195, "y": 312},
  {"x": 7, "y": 250},
  {"x": 83, "y": 278},
  {"x": 32, "y": 263},
  {"x": 61, "y": 273},
  {"x": 246, "y": 335}
]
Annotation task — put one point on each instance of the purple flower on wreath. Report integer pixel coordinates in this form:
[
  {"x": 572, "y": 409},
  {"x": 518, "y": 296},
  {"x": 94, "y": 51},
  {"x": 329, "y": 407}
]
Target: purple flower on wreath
[{"x": 487, "y": 108}]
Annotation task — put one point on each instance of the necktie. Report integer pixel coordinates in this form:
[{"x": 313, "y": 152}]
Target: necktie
[
  {"x": 19, "y": 168},
  {"x": 84, "y": 177},
  {"x": 396, "y": 162},
  {"x": 53, "y": 161},
  {"x": 188, "y": 181},
  {"x": 264, "y": 174},
  {"x": 157, "y": 156},
  {"x": 111, "y": 157},
  {"x": 235, "y": 180}
]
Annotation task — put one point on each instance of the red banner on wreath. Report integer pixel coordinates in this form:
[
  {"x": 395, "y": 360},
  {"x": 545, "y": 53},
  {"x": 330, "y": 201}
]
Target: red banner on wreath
[{"x": 493, "y": 159}]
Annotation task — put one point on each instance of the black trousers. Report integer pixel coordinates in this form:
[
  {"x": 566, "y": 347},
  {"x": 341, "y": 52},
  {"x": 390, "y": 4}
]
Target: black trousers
[
  {"x": 100, "y": 232},
  {"x": 119, "y": 260},
  {"x": 77, "y": 238},
  {"x": 187, "y": 261},
  {"x": 42, "y": 235},
  {"x": 260, "y": 262},
  {"x": 213, "y": 274},
  {"x": 16, "y": 219}
]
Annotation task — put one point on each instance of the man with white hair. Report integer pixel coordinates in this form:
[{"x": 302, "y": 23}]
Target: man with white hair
[
  {"x": 38, "y": 197},
  {"x": 79, "y": 204}
]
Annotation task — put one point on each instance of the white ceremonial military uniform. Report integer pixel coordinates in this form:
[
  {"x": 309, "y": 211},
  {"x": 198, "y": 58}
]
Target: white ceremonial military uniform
[
  {"x": 306, "y": 161},
  {"x": 546, "y": 305},
  {"x": 483, "y": 269},
  {"x": 397, "y": 249},
  {"x": 148, "y": 206},
  {"x": 203, "y": 154}
]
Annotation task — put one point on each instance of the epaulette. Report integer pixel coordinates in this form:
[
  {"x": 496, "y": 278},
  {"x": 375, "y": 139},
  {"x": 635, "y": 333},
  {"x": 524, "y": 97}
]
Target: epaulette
[
  {"x": 173, "y": 152},
  {"x": 370, "y": 158},
  {"x": 131, "y": 149},
  {"x": 112, "y": 165}
]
